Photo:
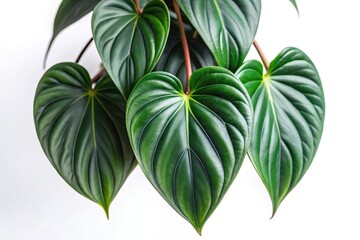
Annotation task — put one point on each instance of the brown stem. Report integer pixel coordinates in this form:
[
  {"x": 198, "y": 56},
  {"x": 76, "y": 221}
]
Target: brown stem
[
  {"x": 195, "y": 35},
  {"x": 99, "y": 75},
  {"x": 261, "y": 54},
  {"x": 184, "y": 44},
  {"x": 84, "y": 50},
  {"x": 139, "y": 9}
]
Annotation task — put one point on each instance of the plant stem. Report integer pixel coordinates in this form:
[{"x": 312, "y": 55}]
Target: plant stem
[
  {"x": 261, "y": 54},
  {"x": 99, "y": 75},
  {"x": 184, "y": 44},
  {"x": 84, "y": 50},
  {"x": 139, "y": 9}
]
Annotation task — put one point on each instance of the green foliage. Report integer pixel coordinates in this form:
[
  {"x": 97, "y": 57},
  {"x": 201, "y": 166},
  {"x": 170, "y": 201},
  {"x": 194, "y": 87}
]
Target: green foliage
[
  {"x": 190, "y": 146},
  {"x": 190, "y": 132},
  {"x": 129, "y": 43},
  {"x": 82, "y": 131},
  {"x": 228, "y": 27},
  {"x": 289, "y": 111},
  {"x": 69, "y": 12},
  {"x": 172, "y": 59}
]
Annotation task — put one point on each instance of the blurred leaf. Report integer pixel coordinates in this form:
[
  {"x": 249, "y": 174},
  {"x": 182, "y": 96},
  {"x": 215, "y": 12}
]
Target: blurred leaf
[
  {"x": 173, "y": 61},
  {"x": 295, "y": 5}
]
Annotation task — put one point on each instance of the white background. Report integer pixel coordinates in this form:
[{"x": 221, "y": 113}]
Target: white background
[{"x": 35, "y": 203}]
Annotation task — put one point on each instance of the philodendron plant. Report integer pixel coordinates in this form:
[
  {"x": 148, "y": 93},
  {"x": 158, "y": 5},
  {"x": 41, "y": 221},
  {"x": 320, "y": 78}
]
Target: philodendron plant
[{"x": 176, "y": 96}]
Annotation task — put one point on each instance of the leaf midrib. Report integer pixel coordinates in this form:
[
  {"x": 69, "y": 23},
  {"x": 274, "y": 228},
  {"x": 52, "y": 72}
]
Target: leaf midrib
[
  {"x": 188, "y": 110},
  {"x": 267, "y": 84}
]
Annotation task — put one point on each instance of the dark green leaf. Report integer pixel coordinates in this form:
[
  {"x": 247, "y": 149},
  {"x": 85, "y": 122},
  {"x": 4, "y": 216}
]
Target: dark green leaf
[
  {"x": 228, "y": 27},
  {"x": 186, "y": 22},
  {"x": 82, "y": 131},
  {"x": 69, "y": 12},
  {"x": 190, "y": 147},
  {"x": 144, "y": 2},
  {"x": 289, "y": 110},
  {"x": 173, "y": 61},
  {"x": 129, "y": 43}
]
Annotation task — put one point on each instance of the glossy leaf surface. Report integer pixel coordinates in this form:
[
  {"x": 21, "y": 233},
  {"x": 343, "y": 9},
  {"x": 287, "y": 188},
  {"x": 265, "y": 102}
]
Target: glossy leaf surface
[
  {"x": 289, "y": 111},
  {"x": 82, "y": 131},
  {"x": 228, "y": 27},
  {"x": 69, "y": 12},
  {"x": 190, "y": 147},
  {"x": 173, "y": 61},
  {"x": 130, "y": 44}
]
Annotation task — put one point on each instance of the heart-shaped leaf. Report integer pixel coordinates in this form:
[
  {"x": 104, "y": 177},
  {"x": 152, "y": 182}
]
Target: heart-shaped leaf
[
  {"x": 69, "y": 12},
  {"x": 130, "y": 44},
  {"x": 289, "y": 113},
  {"x": 82, "y": 131},
  {"x": 190, "y": 147},
  {"x": 228, "y": 27},
  {"x": 173, "y": 61}
]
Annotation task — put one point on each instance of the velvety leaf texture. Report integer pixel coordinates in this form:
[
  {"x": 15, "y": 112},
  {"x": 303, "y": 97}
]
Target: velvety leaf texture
[
  {"x": 289, "y": 113},
  {"x": 82, "y": 131},
  {"x": 173, "y": 61},
  {"x": 190, "y": 147},
  {"x": 69, "y": 12},
  {"x": 228, "y": 27},
  {"x": 129, "y": 43}
]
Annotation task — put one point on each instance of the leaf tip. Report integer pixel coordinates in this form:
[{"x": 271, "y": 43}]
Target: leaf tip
[
  {"x": 106, "y": 209},
  {"x": 199, "y": 231},
  {"x": 48, "y": 52},
  {"x": 275, "y": 208},
  {"x": 198, "y": 227},
  {"x": 273, "y": 214},
  {"x": 296, "y": 7}
]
